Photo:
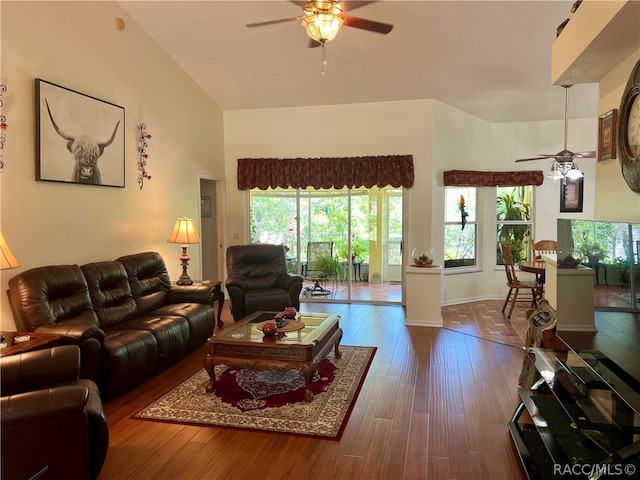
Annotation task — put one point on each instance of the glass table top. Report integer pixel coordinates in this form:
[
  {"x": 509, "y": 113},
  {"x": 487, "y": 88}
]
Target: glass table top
[{"x": 246, "y": 331}]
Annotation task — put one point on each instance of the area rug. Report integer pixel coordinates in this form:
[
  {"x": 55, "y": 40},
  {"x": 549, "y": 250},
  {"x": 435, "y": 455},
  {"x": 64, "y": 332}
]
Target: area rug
[{"x": 270, "y": 400}]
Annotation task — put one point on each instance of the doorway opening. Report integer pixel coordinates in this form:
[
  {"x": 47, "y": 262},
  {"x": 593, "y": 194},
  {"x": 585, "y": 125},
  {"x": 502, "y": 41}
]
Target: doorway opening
[
  {"x": 210, "y": 243},
  {"x": 360, "y": 231}
]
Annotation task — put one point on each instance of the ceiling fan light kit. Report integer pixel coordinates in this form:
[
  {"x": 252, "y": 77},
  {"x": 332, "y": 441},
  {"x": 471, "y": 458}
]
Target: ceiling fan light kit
[
  {"x": 564, "y": 166},
  {"x": 322, "y": 21}
]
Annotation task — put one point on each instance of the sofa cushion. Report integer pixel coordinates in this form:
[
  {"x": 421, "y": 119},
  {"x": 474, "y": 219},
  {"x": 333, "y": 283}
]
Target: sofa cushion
[
  {"x": 199, "y": 317},
  {"x": 269, "y": 299},
  {"x": 149, "y": 280},
  {"x": 171, "y": 333},
  {"x": 110, "y": 292},
  {"x": 49, "y": 296},
  {"x": 129, "y": 358},
  {"x": 256, "y": 262}
]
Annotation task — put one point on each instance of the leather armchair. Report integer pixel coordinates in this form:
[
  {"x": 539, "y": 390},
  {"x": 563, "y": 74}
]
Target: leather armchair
[
  {"x": 53, "y": 424},
  {"x": 257, "y": 279}
]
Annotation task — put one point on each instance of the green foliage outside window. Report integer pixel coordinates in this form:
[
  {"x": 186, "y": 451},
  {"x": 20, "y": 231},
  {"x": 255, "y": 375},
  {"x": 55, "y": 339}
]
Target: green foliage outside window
[{"x": 514, "y": 222}]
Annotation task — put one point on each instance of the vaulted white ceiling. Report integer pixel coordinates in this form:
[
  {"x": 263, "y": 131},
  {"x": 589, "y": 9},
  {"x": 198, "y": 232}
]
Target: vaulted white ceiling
[{"x": 490, "y": 59}]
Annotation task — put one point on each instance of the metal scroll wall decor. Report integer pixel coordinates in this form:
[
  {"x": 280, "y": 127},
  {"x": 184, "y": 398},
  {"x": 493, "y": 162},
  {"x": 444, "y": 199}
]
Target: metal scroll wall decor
[
  {"x": 3, "y": 124},
  {"x": 143, "y": 156}
]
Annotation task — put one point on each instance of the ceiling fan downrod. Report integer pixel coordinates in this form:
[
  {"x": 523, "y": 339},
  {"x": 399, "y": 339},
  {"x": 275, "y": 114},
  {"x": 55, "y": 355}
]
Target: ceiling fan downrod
[{"x": 566, "y": 112}]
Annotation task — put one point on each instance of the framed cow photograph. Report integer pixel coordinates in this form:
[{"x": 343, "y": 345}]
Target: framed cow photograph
[{"x": 79, "y": 138}]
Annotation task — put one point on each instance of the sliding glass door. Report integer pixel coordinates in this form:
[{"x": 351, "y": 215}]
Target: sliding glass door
[
  {"x": 612, "y": 251},
  {"x": 347, "y": 243}
]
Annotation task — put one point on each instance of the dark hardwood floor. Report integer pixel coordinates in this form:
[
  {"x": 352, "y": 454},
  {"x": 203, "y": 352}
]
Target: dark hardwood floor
[{"x": 434, "y": 405}]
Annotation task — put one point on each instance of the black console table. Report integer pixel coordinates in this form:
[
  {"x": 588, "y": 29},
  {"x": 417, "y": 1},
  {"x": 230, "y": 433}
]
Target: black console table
[
  {"x": 583, "y": 415},
  {"x": 596, "y": 266}
]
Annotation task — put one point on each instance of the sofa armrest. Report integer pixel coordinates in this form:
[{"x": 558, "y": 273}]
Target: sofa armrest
[
  {"x": 287, "y": 280},
  {"x": 239, "y": 284},
  {"x": 39, "y": 369},
  {"x": 42, "y": 405},
  {"x": 74, "y": 332},
  {"x": 201, "y": 293},
  {"x": 45, "y": 432}
]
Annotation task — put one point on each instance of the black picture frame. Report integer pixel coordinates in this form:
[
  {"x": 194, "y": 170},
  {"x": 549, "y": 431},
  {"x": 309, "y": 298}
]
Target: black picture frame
[
  {"x": 79, "y": 138},
  {"x": 571, "y": 194},
  {"x": 607, "y": 135}
]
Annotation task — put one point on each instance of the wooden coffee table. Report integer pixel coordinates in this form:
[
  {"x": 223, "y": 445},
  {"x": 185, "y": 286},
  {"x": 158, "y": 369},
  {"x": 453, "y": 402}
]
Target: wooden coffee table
[{"x": 242, "y": 345}]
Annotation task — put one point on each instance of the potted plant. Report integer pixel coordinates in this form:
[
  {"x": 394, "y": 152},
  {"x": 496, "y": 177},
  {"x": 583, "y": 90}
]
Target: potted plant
[
  {"x": 330, "y": 267},
  {"x": 592, "y": 250},
  {"x": 357, "y": 249}
]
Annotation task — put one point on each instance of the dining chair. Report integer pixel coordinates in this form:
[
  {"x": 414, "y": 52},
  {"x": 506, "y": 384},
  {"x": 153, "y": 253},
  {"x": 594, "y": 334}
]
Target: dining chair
[
  {"x": 544, "y": 246},
  {"x": 519, "y": 290}
]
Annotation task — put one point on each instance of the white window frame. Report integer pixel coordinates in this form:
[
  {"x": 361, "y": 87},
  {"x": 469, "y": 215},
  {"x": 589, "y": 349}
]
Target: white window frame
[{"x": 475, "y": 223}]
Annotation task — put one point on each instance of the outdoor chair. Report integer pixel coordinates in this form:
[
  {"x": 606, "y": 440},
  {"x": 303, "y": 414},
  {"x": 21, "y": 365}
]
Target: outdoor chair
[
  {"x": 314, "y": 271},
  {"x": 519, "y": 291}
]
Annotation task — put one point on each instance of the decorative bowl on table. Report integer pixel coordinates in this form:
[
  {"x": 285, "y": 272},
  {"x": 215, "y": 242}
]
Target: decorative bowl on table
[
  {"x": 270, "y": 329},
  {"x": 567, "y": 259},
  {"x": 422, "y": 257},
  {"x": 290, "y": 312}
]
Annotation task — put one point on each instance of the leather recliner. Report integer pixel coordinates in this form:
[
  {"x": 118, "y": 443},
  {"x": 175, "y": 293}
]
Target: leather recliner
[
  {"x": 53, "y": 423},
  {"x": 257, "y": 279}
]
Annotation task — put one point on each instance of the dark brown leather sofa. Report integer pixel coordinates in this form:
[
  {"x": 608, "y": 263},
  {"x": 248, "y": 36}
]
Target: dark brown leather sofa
[
  {"x": 53, "y": 424},
  {"x": 125, "y": 315},
  {"x": 257, "y": 279}
]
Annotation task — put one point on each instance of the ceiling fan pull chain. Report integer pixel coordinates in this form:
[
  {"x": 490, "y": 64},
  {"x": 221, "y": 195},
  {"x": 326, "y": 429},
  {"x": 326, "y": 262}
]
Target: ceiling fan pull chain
[{"x": 324, "y": 61}]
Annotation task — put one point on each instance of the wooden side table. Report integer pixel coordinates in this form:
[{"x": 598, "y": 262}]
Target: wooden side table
[
  {"x": 219, "y": 297},
  {"x": 36, "y": 341}
]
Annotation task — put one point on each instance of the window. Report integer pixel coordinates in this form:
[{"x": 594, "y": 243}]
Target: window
[
  {"x": 514, "y": 221},
  {"x": 460, "y": 234}
]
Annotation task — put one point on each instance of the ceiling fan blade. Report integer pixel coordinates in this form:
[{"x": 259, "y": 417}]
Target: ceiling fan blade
[
  {"x": 534, "y": 158},
  {"x": 272, "y": 22},
  {"x": 348, "y": 6},
  {"x": 586, "y": 154},
  {"x": 370, "y": 25}
]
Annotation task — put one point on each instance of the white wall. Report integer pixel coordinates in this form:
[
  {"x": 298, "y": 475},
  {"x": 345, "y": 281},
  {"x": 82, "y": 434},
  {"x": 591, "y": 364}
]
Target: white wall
[
  {"x": 388, "y": 128},
  {"x": 464, "y": 142},
  {"x": 615, "y": 200},
  {"x": 438, "y": 136},
  {"x": 77, "y": 45}
]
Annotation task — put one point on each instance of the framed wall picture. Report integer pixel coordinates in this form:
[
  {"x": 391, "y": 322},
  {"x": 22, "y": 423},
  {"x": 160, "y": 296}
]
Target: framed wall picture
[
  {"x": 607, "y": 135},
  {"x": 79, "y": 139},
  {"x": 571, "y": 193},
  {"x": 205, "y": 206}
]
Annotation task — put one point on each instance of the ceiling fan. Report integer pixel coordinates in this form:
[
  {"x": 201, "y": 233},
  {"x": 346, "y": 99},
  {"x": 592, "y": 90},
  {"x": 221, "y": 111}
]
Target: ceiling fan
[
  {"x": 564, "y": 165},
  {"x": 323, "y": 18}
]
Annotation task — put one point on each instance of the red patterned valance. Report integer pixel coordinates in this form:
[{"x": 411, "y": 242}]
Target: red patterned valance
[
  {"x": 350, "y": 172},
  {"x": 474, "y": 178}
]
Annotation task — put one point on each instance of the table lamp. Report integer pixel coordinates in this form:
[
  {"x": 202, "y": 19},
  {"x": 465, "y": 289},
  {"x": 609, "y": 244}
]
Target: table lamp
[
  {"x": 184, "y": 233},
  {"x": 7, "y": 260}
]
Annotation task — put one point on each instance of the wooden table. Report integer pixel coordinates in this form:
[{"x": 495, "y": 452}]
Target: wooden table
[
  {"x": 36, "y": 341},
  {"x": 218, "y": 295},
  {"x": 534, "y": 266},
  {"x": 242, "y": 345}
]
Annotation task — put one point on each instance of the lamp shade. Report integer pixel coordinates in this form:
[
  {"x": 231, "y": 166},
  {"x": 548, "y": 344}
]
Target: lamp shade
[
  {"x": 184, "y": 232},
  {"x": 7, "y": 260}
]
